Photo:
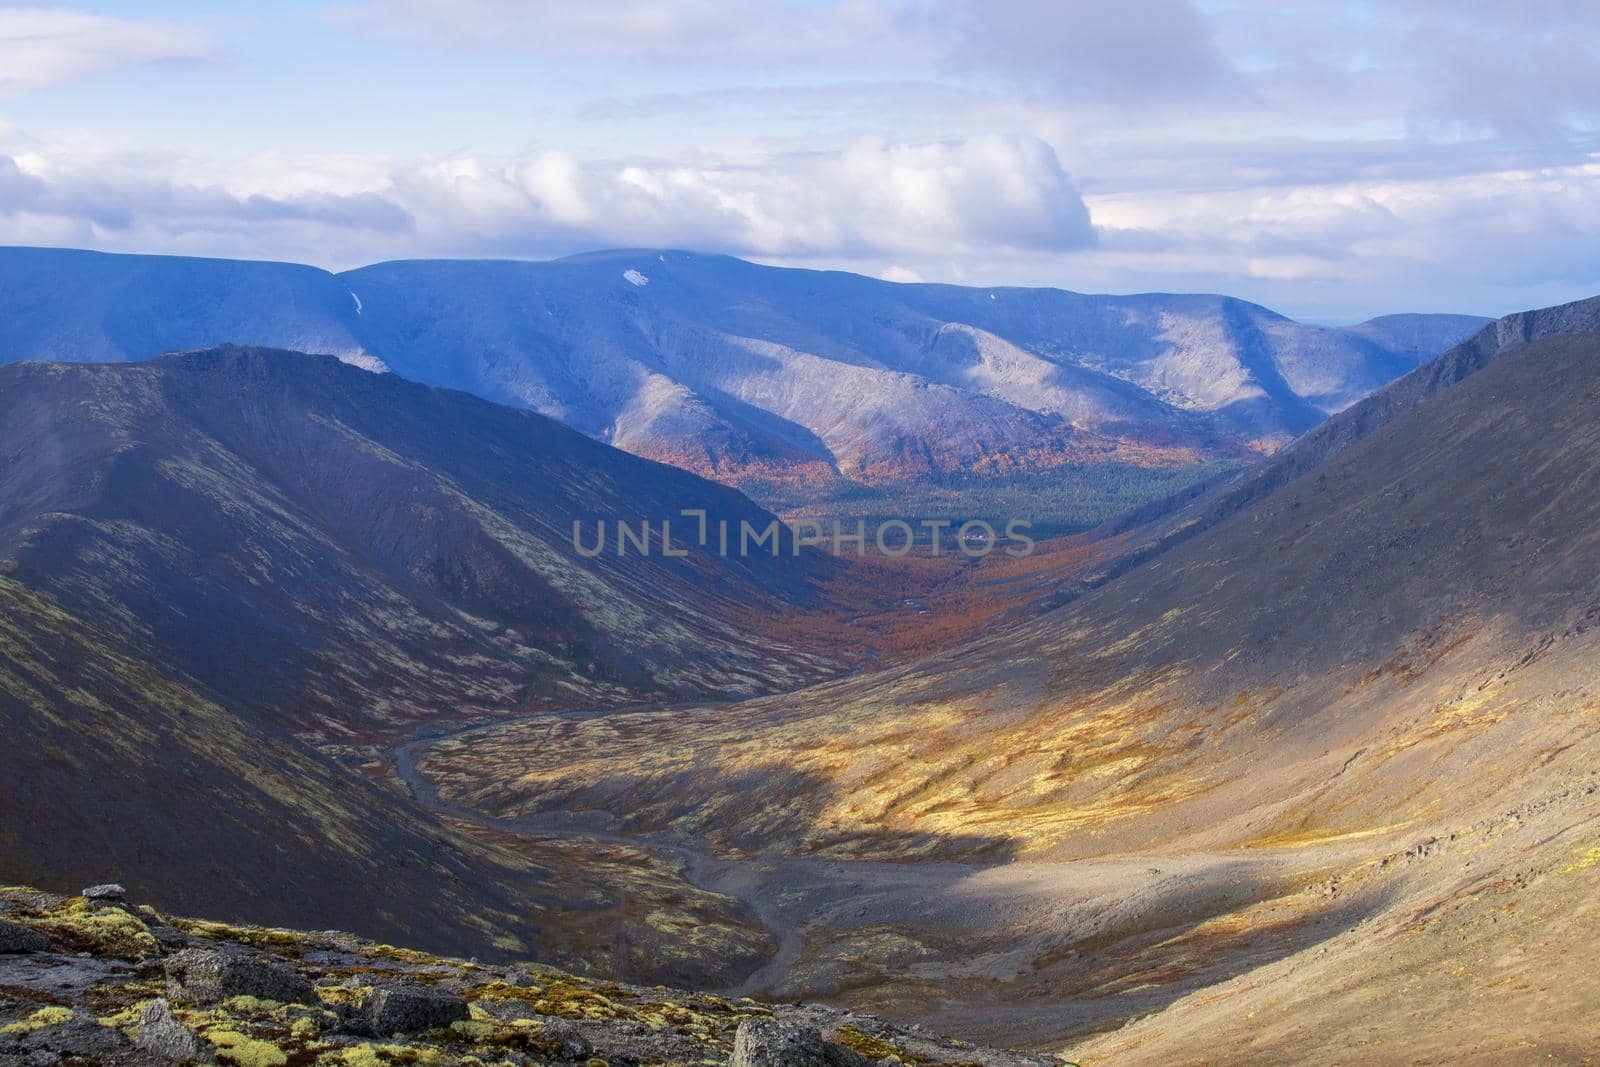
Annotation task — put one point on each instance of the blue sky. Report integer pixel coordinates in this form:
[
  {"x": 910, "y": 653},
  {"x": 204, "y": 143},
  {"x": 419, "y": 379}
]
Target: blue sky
[{"x": 1330, "y": 160}]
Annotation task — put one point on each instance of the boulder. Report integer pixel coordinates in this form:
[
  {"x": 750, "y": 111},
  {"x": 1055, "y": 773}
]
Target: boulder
[
  {"x": 79, "y": 1035},
  {"x": 408, "y": 1008},
  {"x": 780, "y": 1043},
  {"x": 109, "y": 893},
  {"x": 205, "y": 976},
  {"x": 770, "y": 1043},
  {"x": 161, "y": 1034},
  {"x": 15, "y": 937}
]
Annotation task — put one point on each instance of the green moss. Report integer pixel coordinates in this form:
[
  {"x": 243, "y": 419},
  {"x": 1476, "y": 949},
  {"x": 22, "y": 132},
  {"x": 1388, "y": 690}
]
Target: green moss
[
  {"x": 38, "y": 1021},
  {"x": 126, "y": 1020},
  {"x": 405, "y": 955},
  {"x": 360, "y": 1056},
  {"x": 262, "y": 937},
  {"x": 338, "y": 994},
  {"x": 244, "y": 1050},
  {"x": 252, "y": 1007},
  {"x": 498, "y": 990},
  {"x": 105, "y": 931},
  {"x": 476, "y": 1030},
  {"x": 382, "y": 1056}
]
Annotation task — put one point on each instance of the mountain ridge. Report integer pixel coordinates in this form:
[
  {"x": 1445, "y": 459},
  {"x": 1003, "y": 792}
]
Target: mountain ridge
[{"x": 762, "y": 377}]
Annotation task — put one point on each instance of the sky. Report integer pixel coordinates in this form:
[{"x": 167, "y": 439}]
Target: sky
[{"x": 1332, "y": 161}]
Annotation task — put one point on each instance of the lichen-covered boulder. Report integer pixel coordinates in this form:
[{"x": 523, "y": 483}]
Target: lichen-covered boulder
[
  {"x": 771, "y": 1043},
  {"x": 206, "y": 976},
  {"x": 408, "y": 1008},
  {"x": 162, "y": 1035},
  {"x": 784, "y": 1043}
]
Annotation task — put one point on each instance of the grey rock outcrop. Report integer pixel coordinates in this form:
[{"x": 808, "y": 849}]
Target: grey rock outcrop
[
  {"x": 567, "y": 1039},
  {"x": 408, "y": 1008},
  {"x": 205, "y": 976},
  {"x": 81, "y": 1037}
]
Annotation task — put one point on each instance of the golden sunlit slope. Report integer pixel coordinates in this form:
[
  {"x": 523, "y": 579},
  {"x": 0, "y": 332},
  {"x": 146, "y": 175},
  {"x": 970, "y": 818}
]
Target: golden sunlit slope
[{"x": 1472, "y": 945}]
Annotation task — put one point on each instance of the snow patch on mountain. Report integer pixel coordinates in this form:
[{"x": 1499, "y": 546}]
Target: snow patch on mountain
[{"x": 364, "y": 360}]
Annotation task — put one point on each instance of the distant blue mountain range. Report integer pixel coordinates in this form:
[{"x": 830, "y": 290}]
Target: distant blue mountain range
[{"x": 744, "y": 371}]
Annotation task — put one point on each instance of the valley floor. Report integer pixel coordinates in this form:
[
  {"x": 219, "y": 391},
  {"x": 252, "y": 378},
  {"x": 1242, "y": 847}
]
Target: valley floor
[{"x": 1127, "y": 958}]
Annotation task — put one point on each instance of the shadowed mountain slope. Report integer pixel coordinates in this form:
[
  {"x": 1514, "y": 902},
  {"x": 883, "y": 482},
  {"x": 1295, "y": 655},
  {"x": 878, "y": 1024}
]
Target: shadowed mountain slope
[
  {"x": 112, "y": 768},
  {"x": 756, "y": 375},
  {"x": 212, "y": 561},
  {"x": 347, "y": 553}
]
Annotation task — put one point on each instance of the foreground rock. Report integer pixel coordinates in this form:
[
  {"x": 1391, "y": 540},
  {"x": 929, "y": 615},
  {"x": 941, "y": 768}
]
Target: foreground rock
[
  {"x": 162, "y": 1035},
  {"x": 774, "y": 1043},
  {"x": 410, "y": 1008},
  {"x": 139, "y": 989}
]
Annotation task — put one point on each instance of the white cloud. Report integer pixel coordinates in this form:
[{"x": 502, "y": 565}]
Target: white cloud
[
  {"x": 46, "y": 46},
  {"x": 1485, "y": 241},
  {"x": 1528, "y": 69},
  {"x": 1126, "y": 51},
  {"x": 987, "y": 210},
  {"x": 873, "y": 198}
]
